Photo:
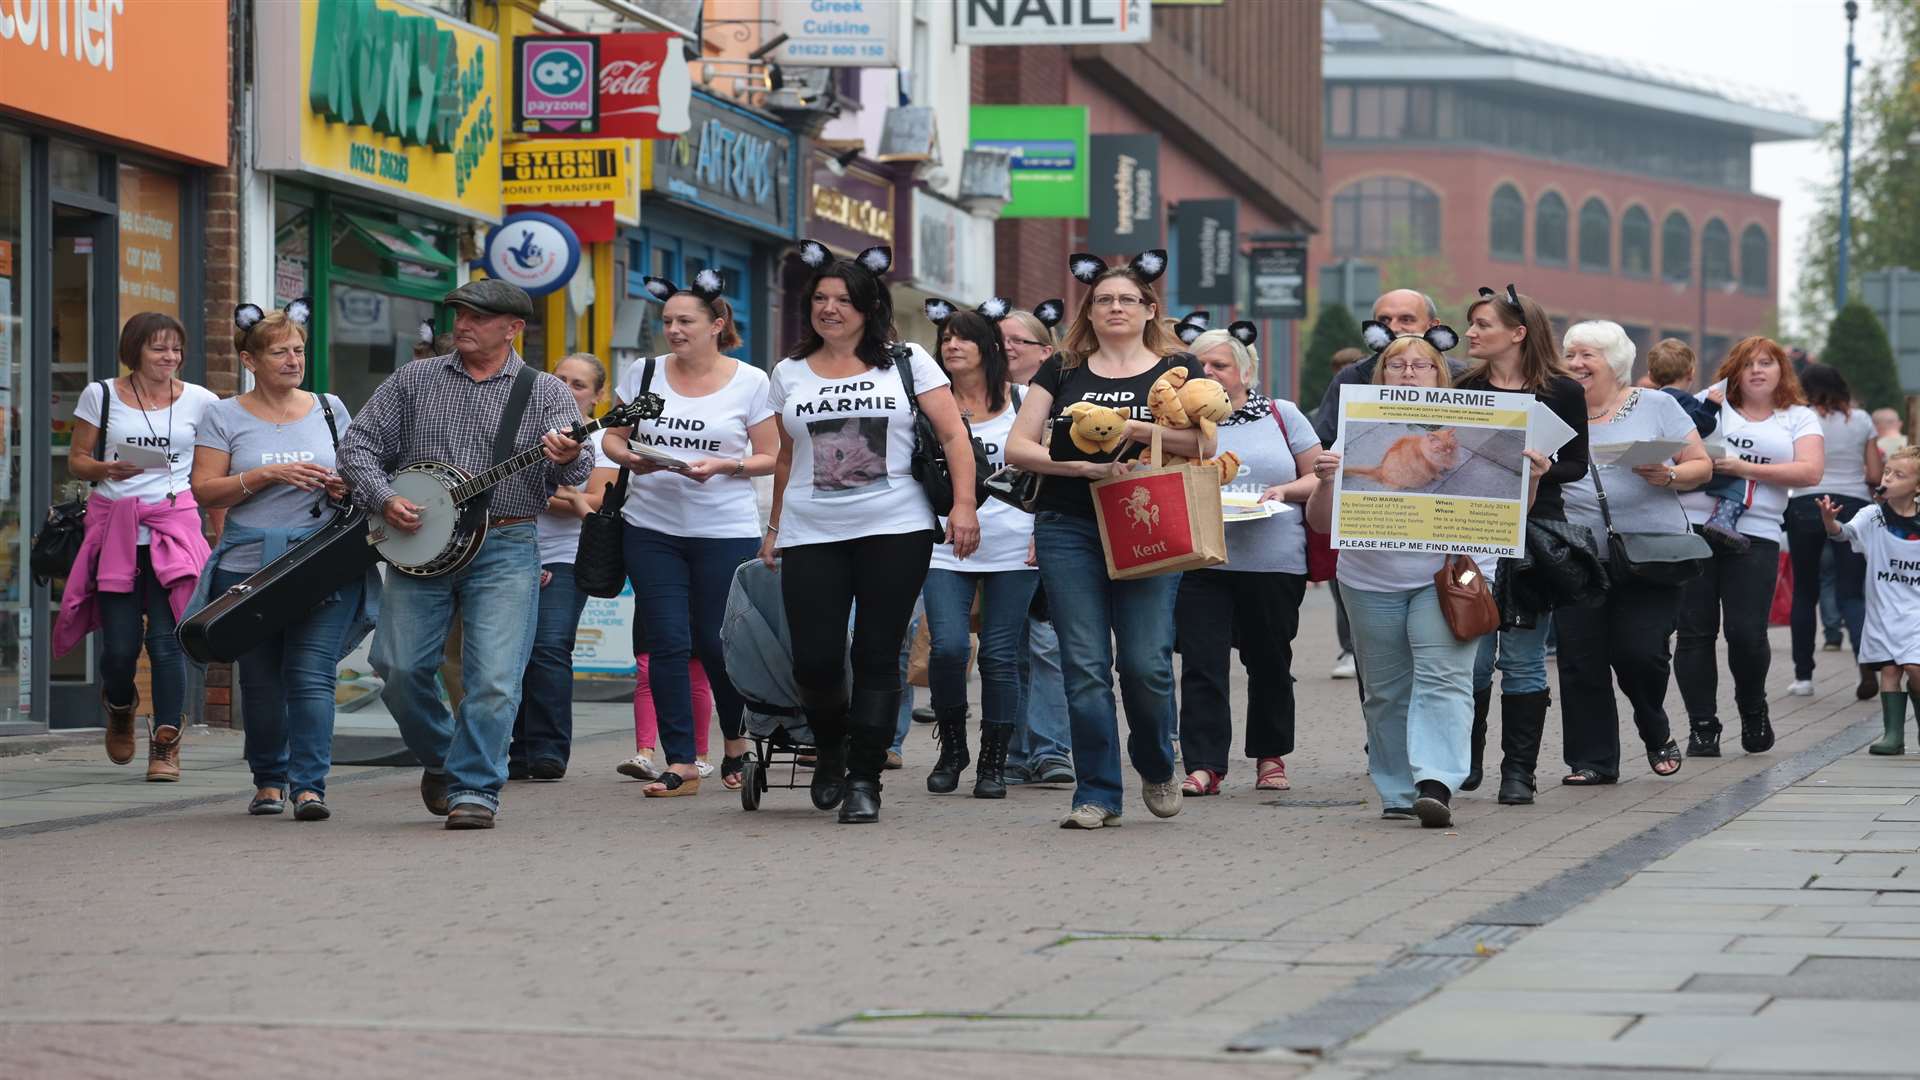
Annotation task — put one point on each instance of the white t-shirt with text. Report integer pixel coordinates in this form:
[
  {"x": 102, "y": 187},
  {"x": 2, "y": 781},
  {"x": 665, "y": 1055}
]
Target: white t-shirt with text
[
  {"x": 559, "y": 534},
  {"x": 171, "y": 430},
  {"x": 1005, "y": 529},
  {"x": 1767, "y": 441},
  {"x": 1891, "y": 633},
  {"x": 691, "y": 428}
]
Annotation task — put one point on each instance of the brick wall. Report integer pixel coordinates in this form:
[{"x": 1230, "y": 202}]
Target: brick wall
[{"x": 1030, "y": 255}]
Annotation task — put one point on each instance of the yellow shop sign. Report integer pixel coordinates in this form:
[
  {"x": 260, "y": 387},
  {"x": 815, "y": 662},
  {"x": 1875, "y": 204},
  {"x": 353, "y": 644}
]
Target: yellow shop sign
[
  {"x": 565, "y": 170},
  {"x": 382, "y": 95}
]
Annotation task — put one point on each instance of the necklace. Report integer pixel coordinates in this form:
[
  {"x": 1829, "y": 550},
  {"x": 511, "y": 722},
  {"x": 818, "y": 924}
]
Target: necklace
[
  {"x": 267, "y": 407},
  {"x": 1611, "y": 406},
  {"x": 134, "y": 383}
]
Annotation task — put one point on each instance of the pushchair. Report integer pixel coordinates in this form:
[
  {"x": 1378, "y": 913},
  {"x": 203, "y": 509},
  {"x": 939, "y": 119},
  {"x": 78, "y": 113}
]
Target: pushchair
[{"x": 759, "y": 655}]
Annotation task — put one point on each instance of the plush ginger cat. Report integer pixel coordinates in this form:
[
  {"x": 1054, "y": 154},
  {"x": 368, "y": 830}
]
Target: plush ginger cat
[
  {"x": 1177, "y": 401},
  {"x": 1414, "y": 461},
  {"x": 1095, "y": 428}
]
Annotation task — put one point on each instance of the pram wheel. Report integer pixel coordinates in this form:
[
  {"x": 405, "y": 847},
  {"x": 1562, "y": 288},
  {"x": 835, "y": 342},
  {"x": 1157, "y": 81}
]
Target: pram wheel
[{"x": 751, "y": 783}]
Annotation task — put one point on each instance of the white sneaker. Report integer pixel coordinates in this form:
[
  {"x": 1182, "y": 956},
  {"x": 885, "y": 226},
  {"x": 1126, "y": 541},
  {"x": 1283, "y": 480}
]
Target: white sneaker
[
  {"x": 1343, "y": 667},
  {"x": 1164, "y": 798},
  {"x": 705, "y": 769},
  {"x": 640, "y": 767},
  {"x": 1801, "y": 688},
  {"x": 1089, "y": 816}
]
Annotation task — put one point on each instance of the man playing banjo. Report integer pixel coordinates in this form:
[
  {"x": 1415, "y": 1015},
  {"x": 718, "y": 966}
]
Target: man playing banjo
[{"x": 449, "y": 409}]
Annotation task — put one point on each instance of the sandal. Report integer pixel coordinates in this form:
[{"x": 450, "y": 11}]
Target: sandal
[
  {"x": 1668, "y": 755},
  {"x": 730, "y": 771},
  {"x": 672, "y": 785},
  {"x": 1200, "y": 782},
  {"x": 1586, "y": 778},
  {"x": 264, "y": 804},
  {"x": 1272, "y": 775}
]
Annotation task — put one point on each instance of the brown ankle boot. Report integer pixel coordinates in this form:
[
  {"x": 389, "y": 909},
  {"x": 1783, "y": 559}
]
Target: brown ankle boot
[
  {"x": 163, "y": 755},
  {"x": 120, "y": 728}
]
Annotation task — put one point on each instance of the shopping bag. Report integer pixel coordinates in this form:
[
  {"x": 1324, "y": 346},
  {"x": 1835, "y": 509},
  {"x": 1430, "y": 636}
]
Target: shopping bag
[
  {"x": 922, "y": 648},
  {"x": 1160, "y": 519},
  {"x": 1781, "y": 613}
]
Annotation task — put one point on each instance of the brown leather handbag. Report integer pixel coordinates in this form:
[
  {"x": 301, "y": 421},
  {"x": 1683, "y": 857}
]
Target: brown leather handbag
[{"x": 1465, "y": 599}]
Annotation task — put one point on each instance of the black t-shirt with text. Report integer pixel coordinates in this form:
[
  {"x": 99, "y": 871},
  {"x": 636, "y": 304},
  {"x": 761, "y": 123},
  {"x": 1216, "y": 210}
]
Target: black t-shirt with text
[{"x": 1072, "y": 494}]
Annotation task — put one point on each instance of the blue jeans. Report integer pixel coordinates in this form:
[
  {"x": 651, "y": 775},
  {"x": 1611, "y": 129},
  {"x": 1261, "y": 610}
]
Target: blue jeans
[
  {"x": 905, "y": 723},
  {"x": 680, "y": 586},
  {"x": 287, "y": 692},
  {"x": 125, "y": 619},
  {"x": 1522, "y": 657},
  {"x": 1419, "y": 690},
  {"x": 543, "y": 728},
  {"x": 1003, "y": 623},
  {"x": 1104, "y": 624},
  {"x": 1045, "y": 736},
  {"x": 498, "y": 594}
]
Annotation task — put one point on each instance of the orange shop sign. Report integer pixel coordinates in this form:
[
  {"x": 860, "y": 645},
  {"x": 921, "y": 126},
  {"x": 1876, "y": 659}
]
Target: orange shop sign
[{"x": 137, "y": 71}]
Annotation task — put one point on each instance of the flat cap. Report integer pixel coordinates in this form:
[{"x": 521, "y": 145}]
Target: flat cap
[{"x": 494, "y": 297}]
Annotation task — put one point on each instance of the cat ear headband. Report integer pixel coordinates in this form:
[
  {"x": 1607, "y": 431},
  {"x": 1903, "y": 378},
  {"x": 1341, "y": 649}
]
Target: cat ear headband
[
  {"x": 1244, "y": 332},
  {"x": 1192, "y": 326},
  {"x": 1051, "y": 313},
  {"x": 1145, "y": 267},
  {"x": 1511, "y": 299},
  {"x": 876, "y": 260},
  {"x": 299, "y": 312},
  {"x": 426, "y": 331},
  {"x": 993, "y": 307},
  {"x": 1377, "y": 336},
  {"x": 707, "y": 285}
]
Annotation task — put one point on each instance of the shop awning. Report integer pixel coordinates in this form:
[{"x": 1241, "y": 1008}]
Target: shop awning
[{"x": 399, "y": 243}]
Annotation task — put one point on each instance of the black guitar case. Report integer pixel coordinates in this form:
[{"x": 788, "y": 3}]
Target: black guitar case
[{"x": 289, "y": 587}]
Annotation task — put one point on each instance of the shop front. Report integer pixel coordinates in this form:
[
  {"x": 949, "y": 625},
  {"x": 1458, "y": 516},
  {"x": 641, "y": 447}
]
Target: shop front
[
  {"x": 952, "y": 260},
  {"x": 376, "y": 183},
  {"x": 108, "y": 118},
  {"x": 851, "y": 206}
]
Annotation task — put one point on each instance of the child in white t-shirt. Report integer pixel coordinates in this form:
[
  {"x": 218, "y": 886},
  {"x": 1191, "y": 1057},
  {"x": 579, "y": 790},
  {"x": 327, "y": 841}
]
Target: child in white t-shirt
[{"x": 1888, "y": 534}]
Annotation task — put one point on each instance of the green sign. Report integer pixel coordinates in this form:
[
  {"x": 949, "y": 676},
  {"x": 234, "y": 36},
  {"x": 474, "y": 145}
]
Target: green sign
[
  {"x": 1048, "y": 144},
  {"x": 398, "y": 74}
]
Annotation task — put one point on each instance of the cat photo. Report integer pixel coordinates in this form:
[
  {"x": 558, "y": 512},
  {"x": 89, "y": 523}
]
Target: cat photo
[
  {"x": 1474, "y": 462},
  {"x": 849, "y": 456}
]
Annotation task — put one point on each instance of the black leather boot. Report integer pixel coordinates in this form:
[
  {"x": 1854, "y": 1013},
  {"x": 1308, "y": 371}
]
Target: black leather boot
[
  {"x": 950, "y": 728},
  {"x": 1522, "y": 719},
  {"x": 1703, "y": 738},
  {"x": 990, "y": 779},
  {"x": 1482, "y": 700},
  {"x": 827, "y": 716},
  {"x": 863, "y": 803},
  {"x": 1756, "y": 734},
  {"x": 870, "y": 723}
]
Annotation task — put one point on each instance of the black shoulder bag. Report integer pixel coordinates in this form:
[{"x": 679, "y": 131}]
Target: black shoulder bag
[
  {"x": 928, "y": 462},
  {"x": 599, "y": 563},
  {"x": 1649, "y": 558},
  {"x": 56, "y": 547}
]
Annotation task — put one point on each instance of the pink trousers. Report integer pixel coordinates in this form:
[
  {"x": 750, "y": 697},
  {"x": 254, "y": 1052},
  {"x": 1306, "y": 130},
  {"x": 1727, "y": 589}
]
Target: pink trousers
[{"x": 646, "y": 723}]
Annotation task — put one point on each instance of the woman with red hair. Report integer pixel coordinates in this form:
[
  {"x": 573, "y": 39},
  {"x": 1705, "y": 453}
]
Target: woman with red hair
[{"x": 1773, "y": 443}]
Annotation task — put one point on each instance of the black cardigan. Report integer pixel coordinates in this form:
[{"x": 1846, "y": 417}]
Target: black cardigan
[{"x": 1569, "y": 403}]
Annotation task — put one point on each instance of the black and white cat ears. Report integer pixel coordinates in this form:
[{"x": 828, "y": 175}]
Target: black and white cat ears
[
  {"x": 1377, "y": 336},
  {"x": 1511, "y": 299},
  {"x": 1051, "y": 313},
  {"x": 993, "y": 307},
  {"x": 426, "y": 331},
  {"x": 1195, "y": 324},
  {"x": 299, "y": 313},
  {"x": 708, "y": 285},
  {"x": 1145, "y": 267},
  {"x": 877, "y": 260}
]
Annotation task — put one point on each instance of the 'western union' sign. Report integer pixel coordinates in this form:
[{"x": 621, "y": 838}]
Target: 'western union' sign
[{"x": 563, "y": 170}]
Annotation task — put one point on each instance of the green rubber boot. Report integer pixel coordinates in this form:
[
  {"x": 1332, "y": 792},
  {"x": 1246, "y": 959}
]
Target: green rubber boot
[{"x": 1893, "y": 713}]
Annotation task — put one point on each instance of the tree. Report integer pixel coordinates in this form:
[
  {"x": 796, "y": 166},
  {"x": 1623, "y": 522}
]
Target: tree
[
  {"x": 1333, "y": 330},
  {"x": 1857, "y": 346}
]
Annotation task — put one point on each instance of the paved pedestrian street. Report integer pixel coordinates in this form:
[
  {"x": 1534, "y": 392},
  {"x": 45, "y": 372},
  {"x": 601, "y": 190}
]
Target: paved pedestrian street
[{"x": 1754, "y": 915}]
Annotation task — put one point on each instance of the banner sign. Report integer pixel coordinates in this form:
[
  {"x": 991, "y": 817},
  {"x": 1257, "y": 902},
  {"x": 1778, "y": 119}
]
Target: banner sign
[
  {"x": 1124, "y": 194},
  {"x": 556, "y": 84},
  {"x": 1279, "y": 272},
  {"x": 645, "y": 87},
  {"x": 573, "y": 170},
  {"x": 1204, "y": 264},
  {"x": 1053, "y": 22},
  {"x": 535, "y": 251},
  {"x": 1049, "y": 148},
  {"x": 838, "y": 33},
  {"x": 732, "y": 164},
  {"x": 852, "y": 211}
]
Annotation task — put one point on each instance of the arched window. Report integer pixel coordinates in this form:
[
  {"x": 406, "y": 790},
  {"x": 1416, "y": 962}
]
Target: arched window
[
  {"x": 1716, "y": 253},
  {"x": 1636, "y": 242},
  {"x": 1385, "y": 216},
  {"x": 1596, "y": 236},
  {"x": 1550, "y": 230},
  {"x": 1754, "y": 255},
  {"x": 1676, "y": 248},
  {"x": 1508, "y": 217}
]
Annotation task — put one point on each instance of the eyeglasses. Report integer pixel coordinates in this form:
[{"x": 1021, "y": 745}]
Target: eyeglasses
[
  {"x": 1128, "y": 302},
  {"x": 1026, "y": 341},
  {"x": 1399, "y": 366}
]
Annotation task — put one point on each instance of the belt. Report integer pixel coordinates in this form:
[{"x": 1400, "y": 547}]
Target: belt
[{"x": 503, "y": 522}]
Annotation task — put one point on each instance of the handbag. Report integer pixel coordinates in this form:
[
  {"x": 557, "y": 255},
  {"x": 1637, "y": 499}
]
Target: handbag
[
  {"x": 928, "y": 462},
  {"x": 1650, "y": 558},
  {"x": 1323, "y": 562},
  {"x": 56, "y": 547},
  {"x": 1012, "y": 485},
  {"x": 600, "y": 563},
  {"x": 1465, "y": 600}
]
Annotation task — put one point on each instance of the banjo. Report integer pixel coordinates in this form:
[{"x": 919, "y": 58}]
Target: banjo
[{"x": 445, "y": 542}]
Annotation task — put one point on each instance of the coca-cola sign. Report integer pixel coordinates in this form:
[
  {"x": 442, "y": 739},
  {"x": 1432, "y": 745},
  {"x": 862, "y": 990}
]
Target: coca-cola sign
[{"x": 645, "y": 88}]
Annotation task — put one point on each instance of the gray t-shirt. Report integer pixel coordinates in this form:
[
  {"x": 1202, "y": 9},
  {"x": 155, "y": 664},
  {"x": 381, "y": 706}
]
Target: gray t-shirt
[
  {"x": 1847, "y": 435},
  {"x": 1277, "y": 544},
  {"x": 1636, "y": 505},
  {"x": 253, "y": 442}
]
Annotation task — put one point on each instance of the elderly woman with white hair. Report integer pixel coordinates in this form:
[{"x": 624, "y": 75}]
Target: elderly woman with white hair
[
  {"x": 1627, "y": 638},
  {"x": 1253, "y": 599}
]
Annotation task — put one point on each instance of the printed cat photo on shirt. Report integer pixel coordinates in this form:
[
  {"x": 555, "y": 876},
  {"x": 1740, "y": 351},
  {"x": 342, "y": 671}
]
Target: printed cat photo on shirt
[
  {"x": 1472, "y": 462},
  {"x": 849, "y": 456}
]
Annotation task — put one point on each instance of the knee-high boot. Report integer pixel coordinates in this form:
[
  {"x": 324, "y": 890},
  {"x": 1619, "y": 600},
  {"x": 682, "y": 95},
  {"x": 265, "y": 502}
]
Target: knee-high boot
[
  {"x": 1482, "y": 701},
  {"x": 1522, "y": 719},
  {"x": 827, "y": 715},
  {"x": 870, "y": 724}
]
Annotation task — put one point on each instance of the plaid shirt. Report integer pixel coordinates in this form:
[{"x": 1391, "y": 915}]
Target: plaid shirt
[{"x": 432, "y": 410}]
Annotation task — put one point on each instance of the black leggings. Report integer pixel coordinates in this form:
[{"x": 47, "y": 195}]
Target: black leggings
[
  {"x": 1741, "y": 585},
  {"x": 876, "y": 579},
  {"x": 1807, "y": 540}
]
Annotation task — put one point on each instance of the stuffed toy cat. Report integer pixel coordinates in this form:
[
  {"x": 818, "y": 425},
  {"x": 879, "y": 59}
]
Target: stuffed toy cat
[
  {"x": 1096, "y": 429},
  {"x": 1177, "y": 401}
]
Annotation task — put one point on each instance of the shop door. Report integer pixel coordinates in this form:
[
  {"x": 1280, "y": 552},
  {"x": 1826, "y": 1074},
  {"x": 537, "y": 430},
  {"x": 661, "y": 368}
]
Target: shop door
[{"x": 85, "y": 290}]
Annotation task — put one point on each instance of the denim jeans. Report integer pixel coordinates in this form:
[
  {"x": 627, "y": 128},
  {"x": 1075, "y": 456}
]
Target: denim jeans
[
  {"x": 1809, "y": 550},
  {"x": 125, "y": 619},
  {"x": 287, "y": 692},
  {"x": 905, "y": 722},
  {"x": 543, "y": 727},
  {"x": 499, "y": 597},
  {"x": 1104, "y": 624},
  {"x": 1419, "y": 680},
  {"x": 1742, "y": 585},
  {"x": 1005, "y": 597},
  {"x": 1521, "y": 656},
  {"x": 1832, "y": 624},
  {"x": 1044, "y": 737},
  {"x": 680, "y": 586}
]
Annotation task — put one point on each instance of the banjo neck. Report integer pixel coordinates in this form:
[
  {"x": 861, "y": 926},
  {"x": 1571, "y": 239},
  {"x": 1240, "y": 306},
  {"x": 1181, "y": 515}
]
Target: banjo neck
[{"x": 524, "y": 459}]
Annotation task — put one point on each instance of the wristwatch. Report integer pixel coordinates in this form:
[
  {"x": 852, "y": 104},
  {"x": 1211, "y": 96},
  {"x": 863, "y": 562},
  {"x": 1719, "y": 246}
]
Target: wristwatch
[
  {"x": 739, "y": 468},
  {"x": 1671, "y": 477}
]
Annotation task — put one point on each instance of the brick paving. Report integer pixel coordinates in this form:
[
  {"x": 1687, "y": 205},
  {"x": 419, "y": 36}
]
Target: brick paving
[{"x": 595, "y": 931}]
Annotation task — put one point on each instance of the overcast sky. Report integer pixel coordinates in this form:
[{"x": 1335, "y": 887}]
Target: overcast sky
[{"x": 1793, "y": 46}]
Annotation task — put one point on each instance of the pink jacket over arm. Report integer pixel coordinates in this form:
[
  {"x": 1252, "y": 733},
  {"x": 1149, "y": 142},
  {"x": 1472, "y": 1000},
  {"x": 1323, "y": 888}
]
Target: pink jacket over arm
[{"x": 110, "y": 554}]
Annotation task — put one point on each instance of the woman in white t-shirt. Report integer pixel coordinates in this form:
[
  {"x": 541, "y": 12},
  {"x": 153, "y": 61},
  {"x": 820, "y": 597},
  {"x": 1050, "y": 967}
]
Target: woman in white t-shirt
[
  {"x": 1852, "y": 455},
  {"x": 1773, "y": 442},
  {"x": 543, "y": 728},
  {"x": 144, "y": 546},
  {"x": 852, "y": 528},
  {"x": 974, "y": 355},
  {"x": 691, "y": 518}
]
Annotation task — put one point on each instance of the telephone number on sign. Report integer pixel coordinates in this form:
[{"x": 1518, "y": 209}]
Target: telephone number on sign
[{"x": 803, "y": 49}]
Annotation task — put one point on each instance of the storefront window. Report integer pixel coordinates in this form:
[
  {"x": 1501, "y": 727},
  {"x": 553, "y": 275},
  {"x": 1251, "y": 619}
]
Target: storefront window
[
  {"x": 74, "y": 169},
  {"x": 17, "y": 416},
  {"x": 149, "y": 242},
  {"x": 385, "y": 275},
  {"x": 292, "y": 252}
]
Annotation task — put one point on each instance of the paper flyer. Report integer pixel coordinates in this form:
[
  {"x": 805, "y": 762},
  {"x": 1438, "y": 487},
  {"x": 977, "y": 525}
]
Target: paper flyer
[
  {"x": 1634, "y": 454},
  {"x": 1433, "y": 470}
]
